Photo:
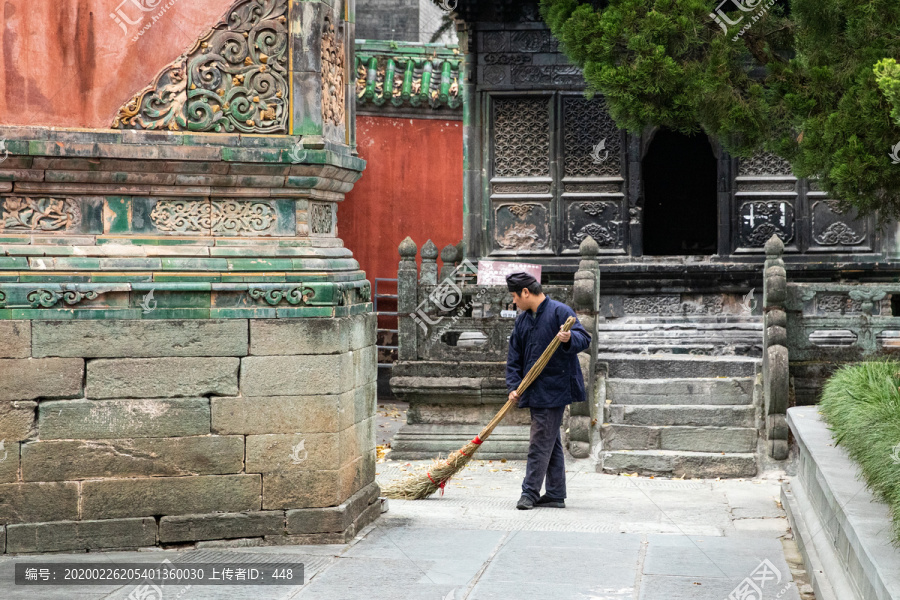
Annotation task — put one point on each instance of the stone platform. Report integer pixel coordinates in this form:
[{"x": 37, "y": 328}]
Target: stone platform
[{"x": 843, "y": 532}]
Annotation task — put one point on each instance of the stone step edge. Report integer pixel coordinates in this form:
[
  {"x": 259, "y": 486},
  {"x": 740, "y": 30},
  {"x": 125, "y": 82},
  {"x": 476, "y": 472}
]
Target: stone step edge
[
  {"x": 679, "y": 357},
  {"x": 679, "y": 453},
  {"x": 670, "y": 380},
  {"x": 667, "y": 407},
  {"x": 685, "y": 427},
  {"x": 687, "y": 464},
  {"x": 825, "y": 567}
]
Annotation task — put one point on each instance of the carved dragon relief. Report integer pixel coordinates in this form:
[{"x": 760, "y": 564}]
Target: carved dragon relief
[{"x": 235, "y": 78}]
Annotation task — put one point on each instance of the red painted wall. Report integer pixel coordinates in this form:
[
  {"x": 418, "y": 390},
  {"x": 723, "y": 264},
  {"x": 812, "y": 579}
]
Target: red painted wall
[
  {"x": 68, "y": 63},
  {"x": 412, "y": 186}
]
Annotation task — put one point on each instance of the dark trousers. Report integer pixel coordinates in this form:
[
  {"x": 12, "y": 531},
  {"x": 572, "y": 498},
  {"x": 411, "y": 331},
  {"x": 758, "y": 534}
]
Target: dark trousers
[{"x": 545, "y": 455}]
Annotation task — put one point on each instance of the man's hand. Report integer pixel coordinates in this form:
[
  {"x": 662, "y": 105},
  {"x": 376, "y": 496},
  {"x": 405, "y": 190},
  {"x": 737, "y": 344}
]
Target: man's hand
[
  {"x": 564, "y": 336},
  {"x": 514, "y": 395}
]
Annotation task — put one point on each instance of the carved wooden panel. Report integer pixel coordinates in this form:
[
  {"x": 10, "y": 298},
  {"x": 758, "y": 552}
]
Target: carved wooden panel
[
  {"x": 521, "y": 226},
  {"x": 599, "y": 219},
  {"x": 527, "y": 57},
  {"x": 521, "y": 137},
  {"x": 832, "y": 228},
  {"x": 521, "y": 188},
  {"x": 765, "y": 164},
  {"x": 592, "y": 141},
  {"x": 759, "y": 220},
  {"x": 768, "y": 200}
]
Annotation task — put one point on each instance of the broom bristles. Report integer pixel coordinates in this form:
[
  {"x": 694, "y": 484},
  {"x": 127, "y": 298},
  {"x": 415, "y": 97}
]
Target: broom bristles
[{"x": 417, "y": 486}]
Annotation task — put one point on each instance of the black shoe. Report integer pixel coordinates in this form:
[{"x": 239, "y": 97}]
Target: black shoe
[
  {"x": 550, "y": 502},
  {"x": 525, "y": 503}
]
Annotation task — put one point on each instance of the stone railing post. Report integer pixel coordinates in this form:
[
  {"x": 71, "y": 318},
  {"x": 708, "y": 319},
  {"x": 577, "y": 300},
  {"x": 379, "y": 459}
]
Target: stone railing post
[
  {"x": 776, "y": 382},
  {"x": 428, "y": 271},
  {"x": 407, "y": 301},
  {"x": 449, "y": 258},
  {"x": 586, "y": 297}
]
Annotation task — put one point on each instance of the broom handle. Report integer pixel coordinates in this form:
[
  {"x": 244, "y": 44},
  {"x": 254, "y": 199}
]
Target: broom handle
[{"x": 529, "y": 379}]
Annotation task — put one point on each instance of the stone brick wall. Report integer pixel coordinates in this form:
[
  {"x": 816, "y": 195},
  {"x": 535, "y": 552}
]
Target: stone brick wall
[{"x": 123, "y": 434}]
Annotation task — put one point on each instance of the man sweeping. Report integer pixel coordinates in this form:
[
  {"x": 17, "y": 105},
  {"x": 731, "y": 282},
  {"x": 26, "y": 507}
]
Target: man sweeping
[{"x": 558, "y": 385}]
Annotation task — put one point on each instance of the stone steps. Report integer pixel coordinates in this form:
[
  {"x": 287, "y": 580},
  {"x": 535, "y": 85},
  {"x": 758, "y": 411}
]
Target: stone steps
[
  {"x": 683, "y": 414},
  {"x": 705, "y": 390},
  {"x": 658, "y": 366},
  {"x": 680, "y": 415},
  {"x": 693, "y": 439},
  {"x": 670, "y": 463}
]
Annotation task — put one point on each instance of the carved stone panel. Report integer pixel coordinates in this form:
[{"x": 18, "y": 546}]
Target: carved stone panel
[
  {"x": 521, "y": 137},
  {"x": 233, "y": 79},
  {"x": 601, "y": 220},
  {"x": 215, "y": 217},
  {"x": 759, "y": 220},
  {"x": 521, "y": 226},
  {"x": 833, "y": 227},
  {"x": 592, "y": 140},
  {"x": 38, "y": 214},
  {"x": 321, "y": 217},
  {"x": 675, "y": 304},
  {"x": 333, "y": 93},
  {"x": 841, "y": 304}
]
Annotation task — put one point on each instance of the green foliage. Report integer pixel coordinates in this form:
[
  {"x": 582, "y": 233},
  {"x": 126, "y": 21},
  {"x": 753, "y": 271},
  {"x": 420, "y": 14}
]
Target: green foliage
[
  {"x": 887, "y": 74},
  {"x": 798, "y": 82},
  {"x": 861, "y": 404}
]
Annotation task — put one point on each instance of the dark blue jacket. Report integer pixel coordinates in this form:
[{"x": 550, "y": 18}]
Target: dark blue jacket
[{"x": 561, "y": 382}]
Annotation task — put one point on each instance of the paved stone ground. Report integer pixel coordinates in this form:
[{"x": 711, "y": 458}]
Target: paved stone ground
[{"x": 619, "y": 538}]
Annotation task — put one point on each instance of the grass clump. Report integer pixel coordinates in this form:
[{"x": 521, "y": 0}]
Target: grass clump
[{"x": 861, "y": 404}]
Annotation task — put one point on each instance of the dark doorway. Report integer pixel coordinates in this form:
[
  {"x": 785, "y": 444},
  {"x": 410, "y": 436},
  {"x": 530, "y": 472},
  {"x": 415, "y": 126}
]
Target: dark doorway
[{"x": 680, "y": 208}]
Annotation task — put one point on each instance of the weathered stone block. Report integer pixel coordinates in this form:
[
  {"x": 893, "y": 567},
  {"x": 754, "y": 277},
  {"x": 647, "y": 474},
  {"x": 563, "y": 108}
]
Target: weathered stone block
[
  {"x": 301, "y": 489},
  {"x": 36, "y": 502},
  {"x": 357, "y": 440},
  {"x": 363, "y": 331},
  {"x": 169, "y": 496},
  {"x": 149, "y": 338},
  {"x": 142, "y": 457},
  {"x": 275, "y": 337},
  {"x": 9, "y": 461},
  {"x": 357, "y": 474},
  {"x": 365, "y": 400},
  {"x": 2, "y": 538},
  {"x": 286, "y": 454},
  {"x": 332, "y": 519},
  {"x": 189, "y": 528},
  {"x": 365, "y": 365},
  {"x": 283, "y": 414},
  {"x": 31, "y": 378},
  {"x": 16, "y": 420},
  {"x": 296, "y": 375},
  {"x": 81, "y": 535},
  {"x": 161, "y": 377},
  {"x": 15, "y": 339},
  {"x": 112, "y": 419}
]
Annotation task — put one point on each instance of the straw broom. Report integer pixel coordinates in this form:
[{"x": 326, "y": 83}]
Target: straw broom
[{"x": 416, "y": 487}]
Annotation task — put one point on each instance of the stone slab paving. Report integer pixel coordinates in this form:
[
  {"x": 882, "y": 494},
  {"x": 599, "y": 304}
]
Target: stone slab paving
[{"x": 619, "y": 538}]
